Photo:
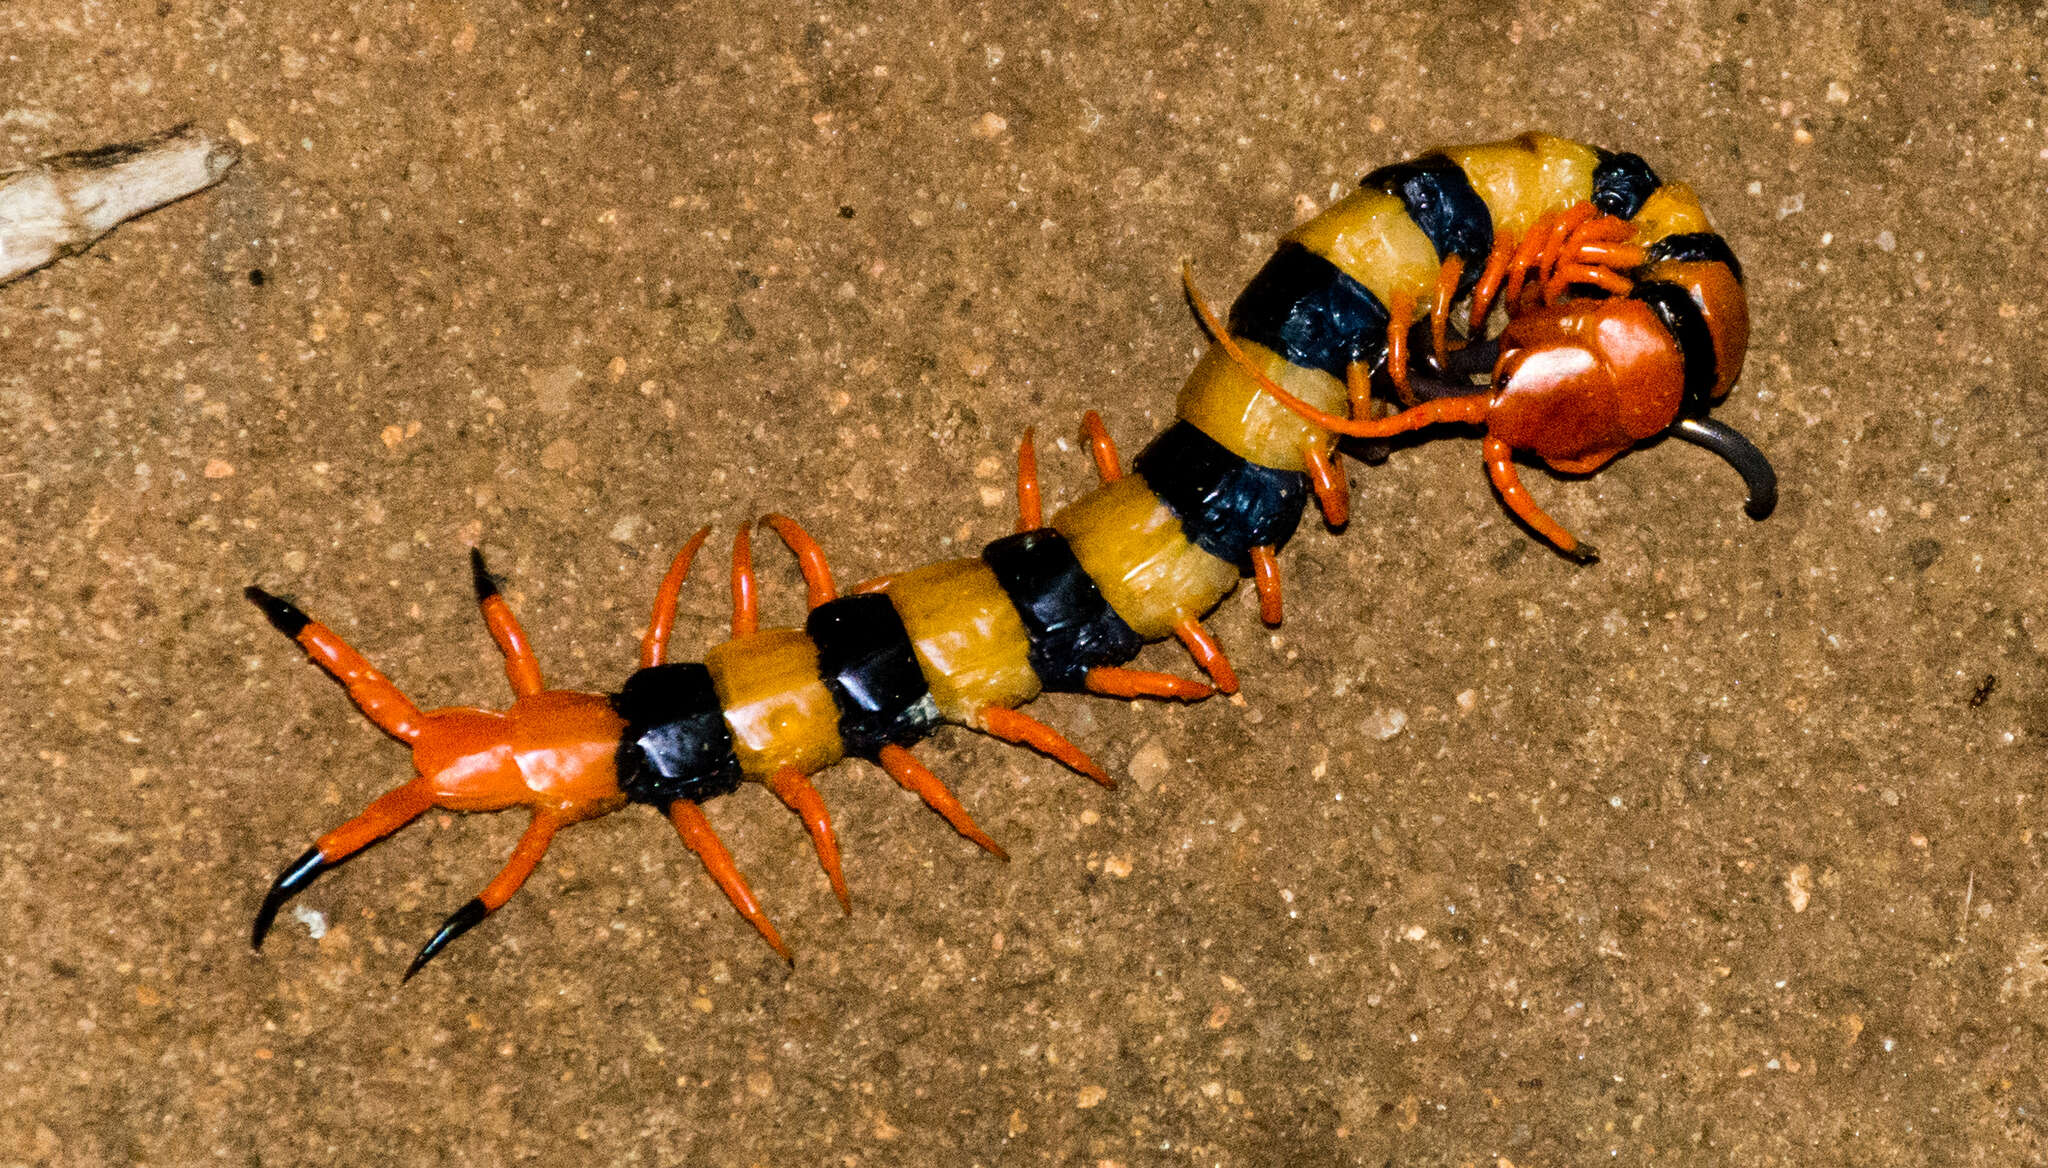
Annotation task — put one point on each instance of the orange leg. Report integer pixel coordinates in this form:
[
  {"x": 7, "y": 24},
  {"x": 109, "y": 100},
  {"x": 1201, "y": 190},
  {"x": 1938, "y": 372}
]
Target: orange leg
[
  {"x": 1117, "y": 682},
  {"x": 379, "y": 700},
  {"x": 1527, "y": 256},
  {"x": 522, "y": 668},
  {"x": 1108, "y": 466},
  {"x": 878, "y": 584},
  {"x": 1484, "y": 291},
  {"x": 1333, "y": 493},
  {"x": 810, "y": 558},
  {"x": 698, "y": 835},
  {"x": 1470, "y": 408},
  {"x": 1030, "y": 510},
  {"x": 1266, "y": 578},
  {"x": 1500, "y": 467},
  {"x": 654, "y": 646},
  {"x": 1562, "y": 234},
  {"x": 797, "y": 793},
  {"x": 746, "y": 601},
  {"x": 385, "y": 814},
  {"x": 1025, "y": 730},
  {"x": 1207, "y": 653},
  {"x": 1440, "y": 308},
  {"x": 1401, "y": 318},
  {"x": 1358, "y": 387},
  {"x": 915, "y": 778},
  {"x": 526, "y": 856}
]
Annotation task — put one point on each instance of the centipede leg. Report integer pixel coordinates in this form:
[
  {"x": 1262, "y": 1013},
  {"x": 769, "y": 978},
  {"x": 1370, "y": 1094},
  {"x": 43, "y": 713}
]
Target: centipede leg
[
  {"x": 1117, "y": 682},
  {"x": 654, "y": 646},
  {"x": 522, "y": 668},
  {"x": 1333, "y": 492},
  {"x": 526, "y": 856},
  {"x": 800, "y": 796},
  {"x": 1401, "y": 319},
  {"x": 1025, "y": 730},
  {"x": 1207, "y": 653},
  {"x": 810, "y": 558},
  {"x": 385, "y": 814},
  {"x": 1030, "y": 508},
  {"x": 1266, "y": 578},
  {"x": 699, "y": 837},
  {"x": 1483, "y": 292},
  {"x": 746, "y": 600},
  {"x": 1358, "y": 389},
  {"x": 1500, "y": 467},
  {"x": 915, "y": 778},
  {"x": 380, "y": 701},
  {"x": 1108, "y": 467},
  {"x": 1447, "y": 278}
]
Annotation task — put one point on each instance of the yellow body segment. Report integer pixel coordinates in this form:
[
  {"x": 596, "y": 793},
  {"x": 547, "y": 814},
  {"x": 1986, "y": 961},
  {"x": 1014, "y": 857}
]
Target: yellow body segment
[
  {"x": 1371, "y": 237},
  {"x": 1223, "y": 401},
  {"x": 967, "y": 637},
  {"x": 779, "y": 713},
  {"x": 1524, "y": 178},
  {"x": 1672, "y": 209},
  {"x": 1131, "y": 545}
]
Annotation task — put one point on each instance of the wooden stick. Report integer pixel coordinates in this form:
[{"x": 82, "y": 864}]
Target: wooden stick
[{"x": 60, "y": 205}]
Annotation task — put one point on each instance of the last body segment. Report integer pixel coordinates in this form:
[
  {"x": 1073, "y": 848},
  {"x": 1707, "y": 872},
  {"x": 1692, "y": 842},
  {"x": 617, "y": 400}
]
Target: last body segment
[{"x": 1626, "y": 320}]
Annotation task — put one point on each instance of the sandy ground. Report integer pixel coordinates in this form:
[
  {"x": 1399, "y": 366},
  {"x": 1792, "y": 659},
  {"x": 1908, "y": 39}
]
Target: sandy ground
[{"x": 1727, "y": 850}]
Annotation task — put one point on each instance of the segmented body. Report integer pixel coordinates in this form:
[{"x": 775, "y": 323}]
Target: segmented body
[{"x": 1609, "y": 358}]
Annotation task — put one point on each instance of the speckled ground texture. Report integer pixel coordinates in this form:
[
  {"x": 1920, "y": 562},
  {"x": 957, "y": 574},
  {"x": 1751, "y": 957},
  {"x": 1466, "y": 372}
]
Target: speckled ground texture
[{"x": 1702, "y": 855}]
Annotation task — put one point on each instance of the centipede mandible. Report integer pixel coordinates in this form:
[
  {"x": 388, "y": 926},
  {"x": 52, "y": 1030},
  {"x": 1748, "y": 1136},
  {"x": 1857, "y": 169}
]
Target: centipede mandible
[{"x": 1563, "y": 300}]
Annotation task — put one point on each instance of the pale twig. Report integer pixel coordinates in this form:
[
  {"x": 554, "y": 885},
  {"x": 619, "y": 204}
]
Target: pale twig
[{"x": 60, "y": 205}]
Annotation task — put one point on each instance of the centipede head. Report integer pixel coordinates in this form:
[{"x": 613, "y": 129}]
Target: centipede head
[{"x": 1581, "y": 382}]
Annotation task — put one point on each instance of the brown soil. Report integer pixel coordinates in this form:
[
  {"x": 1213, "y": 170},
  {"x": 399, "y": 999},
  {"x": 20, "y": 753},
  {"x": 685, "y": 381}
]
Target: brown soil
[{"x": 1727, "y": 850}]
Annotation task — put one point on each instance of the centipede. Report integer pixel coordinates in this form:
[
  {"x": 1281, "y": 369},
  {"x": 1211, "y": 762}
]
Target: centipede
[{"x": 1563, "y": 300}]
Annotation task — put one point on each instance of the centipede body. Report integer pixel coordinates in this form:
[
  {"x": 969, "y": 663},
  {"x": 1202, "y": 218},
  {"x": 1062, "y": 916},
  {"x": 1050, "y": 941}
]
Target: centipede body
[{"x": 1625, "y": 321}]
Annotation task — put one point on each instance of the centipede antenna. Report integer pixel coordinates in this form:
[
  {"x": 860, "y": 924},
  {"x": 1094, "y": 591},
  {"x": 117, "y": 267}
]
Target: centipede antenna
[
  {"x": 700, "y": 838},
  {"x": 1025, "y": 730},
  {"x": 914, "y": 777},
  {"x": 800, "y": 796},
  {"x": 1207, "y": 653},
  {"x": 1738, "y": 452}
]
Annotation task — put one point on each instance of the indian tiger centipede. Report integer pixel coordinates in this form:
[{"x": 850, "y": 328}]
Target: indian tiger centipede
[{"x": 1626, "y": 320}]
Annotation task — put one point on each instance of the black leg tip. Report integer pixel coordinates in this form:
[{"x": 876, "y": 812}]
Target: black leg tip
[
  {"x": 486, "y": 587},
  {"x": 1585, "y": 553},
  {"x": 461, "y": 921},
  {"x": 289, "y": 883},
  {"x": 284, "y": 616}
]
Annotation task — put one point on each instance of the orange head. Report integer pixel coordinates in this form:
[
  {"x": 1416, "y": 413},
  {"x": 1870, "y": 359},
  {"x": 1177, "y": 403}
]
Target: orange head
[{"x": 1580, "y": 382}]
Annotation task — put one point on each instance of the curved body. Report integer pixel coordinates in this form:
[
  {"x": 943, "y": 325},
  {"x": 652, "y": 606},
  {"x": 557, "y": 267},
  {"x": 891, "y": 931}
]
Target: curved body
[{"x": 1626, "y": 320}]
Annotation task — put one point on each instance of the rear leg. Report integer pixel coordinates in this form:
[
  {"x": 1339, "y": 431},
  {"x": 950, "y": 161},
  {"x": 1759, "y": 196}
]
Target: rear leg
[
  {"x": 382, "y": 703},
  {"x": 389, "y": 812},
  {"x": 526, "y": 856}
]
